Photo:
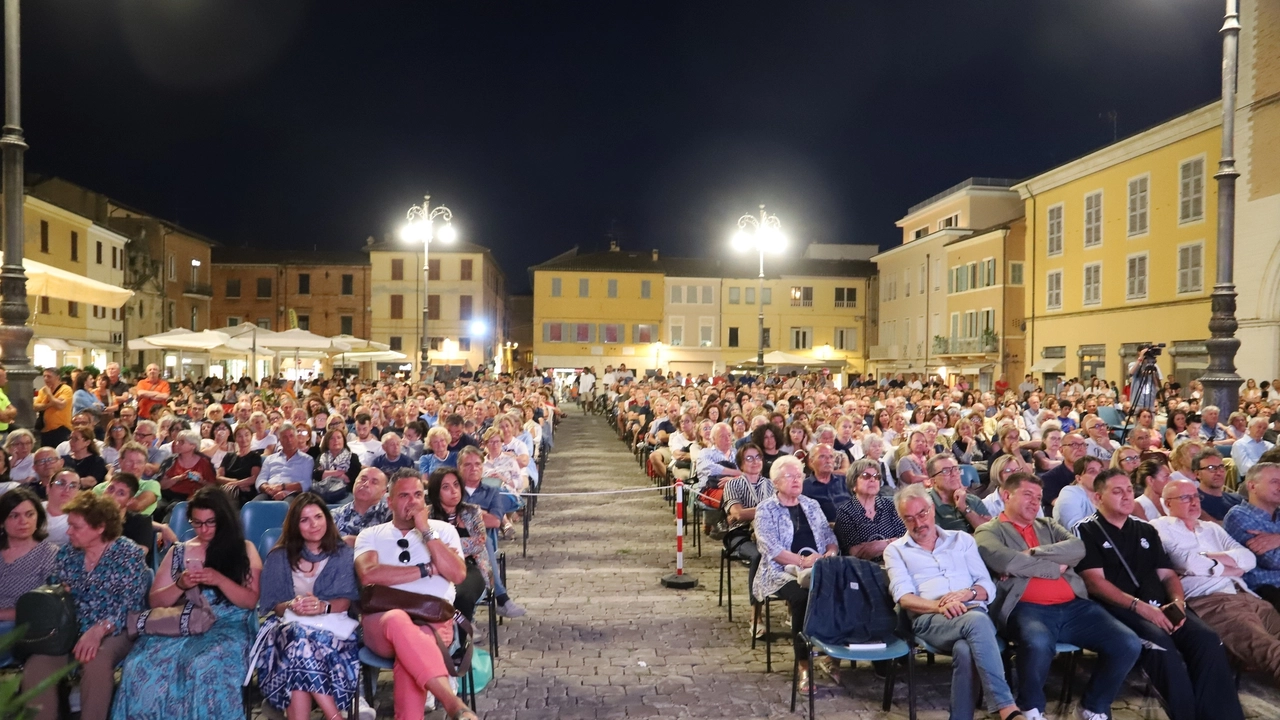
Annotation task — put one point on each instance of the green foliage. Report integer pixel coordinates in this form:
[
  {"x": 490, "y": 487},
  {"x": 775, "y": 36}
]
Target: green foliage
[{"x": 13, "y": 703}]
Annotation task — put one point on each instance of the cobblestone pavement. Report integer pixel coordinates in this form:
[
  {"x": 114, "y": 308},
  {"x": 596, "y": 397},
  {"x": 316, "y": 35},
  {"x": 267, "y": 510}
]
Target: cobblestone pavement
[{"x": 603, "y": 639}]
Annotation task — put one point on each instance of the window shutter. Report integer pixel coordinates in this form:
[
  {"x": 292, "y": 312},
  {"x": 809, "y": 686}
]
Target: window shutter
[{"x": 546, "y": 332}]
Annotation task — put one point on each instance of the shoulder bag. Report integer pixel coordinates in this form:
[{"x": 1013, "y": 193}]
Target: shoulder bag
[
  {"x": 49, "y": 614},
  {"x": 194, "y": 617}
]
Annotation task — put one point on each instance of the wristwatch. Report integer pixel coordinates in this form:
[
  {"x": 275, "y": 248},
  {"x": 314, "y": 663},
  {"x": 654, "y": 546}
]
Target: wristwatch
[
  {"x": 432, "y": 535},
  {"x": 422, "y": 569},
  {"x": 974, "y": 590}
]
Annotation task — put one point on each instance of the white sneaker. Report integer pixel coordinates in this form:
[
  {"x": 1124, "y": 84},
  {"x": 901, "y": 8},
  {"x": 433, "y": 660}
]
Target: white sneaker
[
  {"x": 510, "y": 609},
  {"x": 73, "y": 699},
  {"x": 366, "y": 712},
  {"x": 1033, "y": 714},
  {"x": 1091, "y": 715},
  {"x": 431, "y": 702}
]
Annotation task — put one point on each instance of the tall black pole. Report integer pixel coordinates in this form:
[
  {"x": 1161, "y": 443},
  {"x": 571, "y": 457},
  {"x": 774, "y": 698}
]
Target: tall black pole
[
  {"x": 1221, "y": 383},
  {"x": 15, "y": 336}
]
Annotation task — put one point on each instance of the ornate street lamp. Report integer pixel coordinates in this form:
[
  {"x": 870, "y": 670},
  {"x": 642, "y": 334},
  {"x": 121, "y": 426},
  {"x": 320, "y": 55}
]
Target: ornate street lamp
[
  {"x": 762, "y": 234},
  {"x": 1221, "y": 383},
  {"x": 15, "y": 335},
  {"x": 420, "y": 228}
]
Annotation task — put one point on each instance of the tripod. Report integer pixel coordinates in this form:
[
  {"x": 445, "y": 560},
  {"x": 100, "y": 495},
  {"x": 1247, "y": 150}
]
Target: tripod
[{"x": 1142, "y": 390}]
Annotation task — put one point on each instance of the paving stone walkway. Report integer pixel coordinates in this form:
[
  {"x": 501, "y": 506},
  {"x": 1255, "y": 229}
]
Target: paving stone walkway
[{"x": 603, "y": 639}]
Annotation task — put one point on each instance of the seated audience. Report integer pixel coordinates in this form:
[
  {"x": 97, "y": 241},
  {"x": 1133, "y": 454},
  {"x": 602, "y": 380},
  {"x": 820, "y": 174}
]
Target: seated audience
[
  {"x": 84, "y": 457},
  {"x": 1126, "y": 569},
  {"x": 392, "y": 459},
  {"x": 437, "y": 452},
  {"x": 107, "y": 576},
  {"x": 1150, "y": 477},
  {"x": 867, "y": 522},
  {"x": 1211, "y": 473},
  {"x": 1246, "y": 451},
  {"x": 444, "y": 500},
  {"x": 1074, "y": 447},
  {"x": 184, "y": 472},
  {"x": 957, "y": 508},
  {"x": 742, "y": 496},
  {"x": 910, "y": 470},
  {"x": 1098, "y": 443},
  {"x": 137, "y": 527},
  {"x": 238, "y": 473},
  {"x": 1041, "y": 601},
  {"x": 61, "y": 489},
  {"x": 1254, "y": 523},
  {"x": 1075, "y": 501},
  {"x": 133, "y": 460},
  {"x": 937, "y": 576},
  {"x": 198, "y": 675},
  {"x": 308, "y": 578},
  {"x": 26, "y": 554},
  {"x": 824, "y": 485},
  {"x": 336, "y": 469},
  {"x": 419, "y": 555},
  {"x": 287, "y": 472},
  {"x": 368, "y": 506},
  {"x": 493, "y": 504},
  {"x": 1212, "y": 568},
  {"x": 792, "y": 534}
]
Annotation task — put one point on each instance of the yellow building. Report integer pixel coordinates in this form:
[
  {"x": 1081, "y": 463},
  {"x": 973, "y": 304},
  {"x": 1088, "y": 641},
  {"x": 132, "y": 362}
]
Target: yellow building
[
  {"x": 465, "y": 302},
  {"x": 1121, "y": 246},
  {"x": 697, "y": 315},
  {"x": 68, "y": 332},
  {"x": 598, "y": 309},
  {"x": 982, "y": 336}
]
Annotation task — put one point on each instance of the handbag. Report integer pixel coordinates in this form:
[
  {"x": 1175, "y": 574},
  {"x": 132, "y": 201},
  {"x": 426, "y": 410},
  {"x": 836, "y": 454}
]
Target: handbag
[
  {"x": 49, "y": 613},
  {"x": 421, "y": 609},
  {"x": 194, "y": 617}
]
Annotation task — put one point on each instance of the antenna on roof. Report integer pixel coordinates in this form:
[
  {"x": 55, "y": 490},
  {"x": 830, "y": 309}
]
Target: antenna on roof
[{"x": 612, "y": 235}]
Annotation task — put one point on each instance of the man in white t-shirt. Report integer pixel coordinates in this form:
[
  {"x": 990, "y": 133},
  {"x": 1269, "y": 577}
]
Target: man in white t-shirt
[
  {"x": 363, "y": 442},
  {"x": 418, "y": 555}
]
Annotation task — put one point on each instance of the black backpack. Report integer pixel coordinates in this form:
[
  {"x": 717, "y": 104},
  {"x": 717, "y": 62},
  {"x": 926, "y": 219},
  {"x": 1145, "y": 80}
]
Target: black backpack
[
  {"x": 49, "y": 614},
  {"x": 849, "y": 602}
]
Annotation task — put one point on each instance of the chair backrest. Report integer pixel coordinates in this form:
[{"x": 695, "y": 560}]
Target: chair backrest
[
  {"x": 970, "y": 476},
  {"x": 268, "y": 541},
  {"x": 259, "y": 517},
  {"x": 1110, "y": 416},
  {"x": 179, "y": 523}
]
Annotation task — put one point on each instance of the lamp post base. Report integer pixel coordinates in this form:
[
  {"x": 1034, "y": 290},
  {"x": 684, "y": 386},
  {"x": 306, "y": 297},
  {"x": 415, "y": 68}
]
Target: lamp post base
[{"x": 679, "y": 582}]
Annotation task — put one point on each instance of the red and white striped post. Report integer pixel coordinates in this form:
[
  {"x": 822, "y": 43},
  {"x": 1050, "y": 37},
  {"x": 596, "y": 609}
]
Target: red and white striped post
[{"x": 679, "y": 581}]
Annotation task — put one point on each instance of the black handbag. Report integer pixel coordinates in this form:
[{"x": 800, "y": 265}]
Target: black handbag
[{"x": 49, "y": 614}]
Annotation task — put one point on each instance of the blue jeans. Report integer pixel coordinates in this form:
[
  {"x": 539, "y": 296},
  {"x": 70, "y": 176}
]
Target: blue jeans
[
  {"x": 1083, "y": 623},
  {"x": 5, "y": 628},
  {"x": 971, "y": 641}
]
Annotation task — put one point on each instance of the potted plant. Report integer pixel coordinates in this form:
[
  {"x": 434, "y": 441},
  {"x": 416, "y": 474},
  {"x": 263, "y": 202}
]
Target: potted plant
[{"x": 990, "y": 341}]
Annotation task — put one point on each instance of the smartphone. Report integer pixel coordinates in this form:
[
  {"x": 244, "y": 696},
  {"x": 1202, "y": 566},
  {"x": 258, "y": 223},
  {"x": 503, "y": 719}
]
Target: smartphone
[
  {"x": 194, "y": 564},
  {"x": 1174, "y": 613}
]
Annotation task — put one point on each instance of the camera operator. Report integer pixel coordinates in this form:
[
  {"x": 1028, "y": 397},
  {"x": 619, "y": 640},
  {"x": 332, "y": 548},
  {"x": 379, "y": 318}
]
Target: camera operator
[{"x": 1145, "y": 377}]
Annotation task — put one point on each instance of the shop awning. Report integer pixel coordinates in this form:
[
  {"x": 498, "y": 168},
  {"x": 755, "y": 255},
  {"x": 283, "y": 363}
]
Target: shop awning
[
  {"x": 1053, "y": 366},
  {"x": 974, "y": 369},
  {"x": 54, "y": 282},
  {"x": 56, "y": 344}
]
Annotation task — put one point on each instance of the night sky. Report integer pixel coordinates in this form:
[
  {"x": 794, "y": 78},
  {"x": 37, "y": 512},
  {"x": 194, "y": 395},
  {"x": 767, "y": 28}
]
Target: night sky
[{"x": 544, "y": 125}]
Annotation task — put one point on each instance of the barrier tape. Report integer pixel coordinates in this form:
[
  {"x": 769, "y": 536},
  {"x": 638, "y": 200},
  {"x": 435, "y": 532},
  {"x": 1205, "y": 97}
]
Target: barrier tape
[{"x": 591, "y": 492}]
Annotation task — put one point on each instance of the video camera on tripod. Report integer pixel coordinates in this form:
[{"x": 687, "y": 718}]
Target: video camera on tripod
[{"x": 1152, "y": 350}]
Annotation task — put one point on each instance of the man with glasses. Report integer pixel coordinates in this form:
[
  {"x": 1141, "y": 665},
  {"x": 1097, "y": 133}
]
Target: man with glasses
[
  {"x": 939, "y": 578},
  {"x": 1074, "y": 502},
  {"x": 1246, "y": 451},
  {"x": 1211, "y": 473},
  {"x": 1041, "y": 601},
  {"x": 368, "y": 506},
  {"x": 825, "y": 485},
  {"x": 146, "y": 436},
  {"x": 1074, "y": 447},
  {"x": 1212, "y": 566},
  {"x": 418, "y": 555},
  {"x": 46, "y": 463},
  {"x": 1099, "y": 443},
  {"x": 956, "y": 508}
]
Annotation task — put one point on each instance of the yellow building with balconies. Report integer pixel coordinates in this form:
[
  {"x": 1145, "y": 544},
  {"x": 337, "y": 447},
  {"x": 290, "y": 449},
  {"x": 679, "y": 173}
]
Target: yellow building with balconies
[{"x": 1120, "y": 249}]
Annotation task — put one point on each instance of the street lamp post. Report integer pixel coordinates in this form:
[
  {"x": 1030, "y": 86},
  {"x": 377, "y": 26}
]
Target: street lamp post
[
  {"x": 15, "y": 335},
  {"x": 420, "y": 227},
  {"x": 1221, "y": 383},
  {"x": 762, "y": 234}
]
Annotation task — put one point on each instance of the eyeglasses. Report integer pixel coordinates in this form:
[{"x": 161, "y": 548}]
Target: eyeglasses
[
  {"x": 953, "y": 470},
  {"x": 919, "y": 517},
  {"x": 197, "y": 524},
  {"x": 752, "y": 458},
  {"x": 1183, "y": 498},
  {"x": 403, "y": 544},
  {"x": 1132, "y": 459},
  {"x": 868, "y": 474},
  {"x": 46, "y": 461},
  {"x": 63, "y": 483},
  {"x": 1073, "y": 444},
  {"x": 1212, "y": 468},
  {"x": 143, "y": 434}
]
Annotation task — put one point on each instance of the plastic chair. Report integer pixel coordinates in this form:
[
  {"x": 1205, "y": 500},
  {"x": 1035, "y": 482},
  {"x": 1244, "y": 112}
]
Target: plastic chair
[
  {"x": 371, "y": 663},
  {"x": 1073, "y": 654},
  {"x": 259, "y": 517},
  {"x": 268, "y": 541},
  {"x": 179, "y": 523},
  {"x": 969, "y": 476}
]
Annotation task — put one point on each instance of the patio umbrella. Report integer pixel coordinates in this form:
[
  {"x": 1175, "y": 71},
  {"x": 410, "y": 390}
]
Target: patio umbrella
[
  {"x": 57, "y": 283},
  {"x": 252, "y": 334},
  {"x": 358, "y": 345},
  {"x": 298, "y": 339}
]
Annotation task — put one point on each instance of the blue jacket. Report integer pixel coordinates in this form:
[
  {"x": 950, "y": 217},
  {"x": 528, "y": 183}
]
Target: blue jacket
[{"x": 849, "y": 602}]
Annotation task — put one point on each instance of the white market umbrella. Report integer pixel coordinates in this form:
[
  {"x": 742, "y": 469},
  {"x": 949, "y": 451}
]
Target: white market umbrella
[
  {"x": 298, "y": 340},
  {"x": 360, "y": 345},
  {"x": 55, "y": 282},
  {"x": 252, "y": 334}
]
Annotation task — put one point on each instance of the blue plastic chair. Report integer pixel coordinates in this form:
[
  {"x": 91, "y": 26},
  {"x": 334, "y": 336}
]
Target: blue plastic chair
[
  {"x": 259, "y": 517},
  {"x": 893, "y": 649},
  {"x": 969, "y": 476},
  {"x": 179, "y": 523},
  {"x": 473, "y": 682},
  {"x": 268, "y": 541}
]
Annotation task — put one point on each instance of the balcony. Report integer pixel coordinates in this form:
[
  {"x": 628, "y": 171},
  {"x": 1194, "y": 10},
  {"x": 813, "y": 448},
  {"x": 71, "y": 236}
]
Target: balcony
[
  {"x": 965, "y": 345},
  {"x": 886, "y": 352},
  {"x": 197, "y": 290}
]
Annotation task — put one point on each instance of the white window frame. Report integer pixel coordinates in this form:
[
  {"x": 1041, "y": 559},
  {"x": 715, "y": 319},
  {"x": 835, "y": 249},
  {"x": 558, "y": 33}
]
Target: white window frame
[
  {"x": 924, "y": 278},
  {"x": 708, "y": 324},
  {"x": 672, "y": 325},
  {"x": 920, "y": 232},
  {"x": 1178, "y": 276},
  {"x": 1093, "y": 219},
  {"x": 986, "y": 320},
  {"x": 1084, "y": 296},
  {"x": 691, "y": 295},
  {"x": 937, "y": 274},
  {"x": 1144, "y": 212},
  {"x": 950, "y": 221},
  {"x": 846, "y": 338},
  {"x": 1050, "y": 249},
  {"x": 1131, "y": 290},
  {"x": 801, "y": 333},
  {"x": 748, "y": 296},
  {"x": 955, "y": 325},
  {"x": 1192, "y": 219},
  {"x": 1049, "y": 298}
]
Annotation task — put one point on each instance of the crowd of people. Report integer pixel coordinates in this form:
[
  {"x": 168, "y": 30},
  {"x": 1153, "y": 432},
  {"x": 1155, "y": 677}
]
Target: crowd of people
[
  {"x": 1010, "y": 517},
  {"x": 388, "y": 483}
]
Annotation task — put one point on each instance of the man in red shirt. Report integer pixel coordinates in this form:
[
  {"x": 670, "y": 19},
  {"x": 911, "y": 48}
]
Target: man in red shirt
[
  {"x": 1041, "y": 601},
  {"x": 151, "y": 391}
]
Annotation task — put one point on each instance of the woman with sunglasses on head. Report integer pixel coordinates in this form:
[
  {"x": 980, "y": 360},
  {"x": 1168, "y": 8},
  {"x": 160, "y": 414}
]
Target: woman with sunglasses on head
[
  {"x": 238, "y": 473},
  {"x": 868, "y": 522},
  {"x": 198, "y": 676},
  {"x": 308, "y": 584}
]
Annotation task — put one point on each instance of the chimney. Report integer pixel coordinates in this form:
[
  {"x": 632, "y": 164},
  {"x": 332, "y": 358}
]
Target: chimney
[
  {"x": 369, "y": 241},
  {"x": 613, "y": 246},
  {"x": 655, "y": 255}
]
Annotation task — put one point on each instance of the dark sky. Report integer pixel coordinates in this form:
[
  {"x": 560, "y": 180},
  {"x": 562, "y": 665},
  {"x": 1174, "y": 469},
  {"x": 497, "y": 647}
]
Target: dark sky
[{"x": 544, "y": 124}]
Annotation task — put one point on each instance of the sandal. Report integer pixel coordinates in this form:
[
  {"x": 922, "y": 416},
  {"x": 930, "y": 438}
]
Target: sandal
[{"x": 464, "y": 714}]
